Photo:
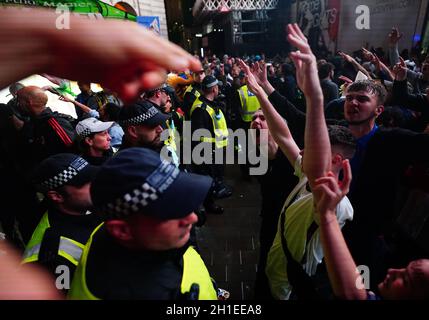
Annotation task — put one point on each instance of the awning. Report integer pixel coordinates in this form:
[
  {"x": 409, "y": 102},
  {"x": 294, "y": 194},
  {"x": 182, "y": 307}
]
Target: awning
[{"x": 91, "y": 8}]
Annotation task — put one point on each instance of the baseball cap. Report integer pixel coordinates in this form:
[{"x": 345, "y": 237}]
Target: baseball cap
[
  {"x": 141, "y": 112},
  {"x": 138, "y": 180},
  {"x": 14, "y": 88},
  {"x": 92, "y": 125},
  {"x": 63, "y": 169},
  {"x": 210, "y": 81}
]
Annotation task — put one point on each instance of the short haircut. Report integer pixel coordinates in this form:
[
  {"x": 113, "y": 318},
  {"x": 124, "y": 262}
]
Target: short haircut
[
  {"x": 325, "y": 69},
  {"x": 370, "y": 87},
  {"x": 151, "y": 93},
  {"x": 208, "y": 90},
  {"x": 342, "y": 138}
]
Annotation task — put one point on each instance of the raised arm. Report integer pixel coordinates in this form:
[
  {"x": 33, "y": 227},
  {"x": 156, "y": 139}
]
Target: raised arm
[
  {"x": 345, "y": 281},
  {"x": 84, "y": 108},
  {"x": 416, "y": 102},
  {"x": 53, "y": 79},
  {"x": 285, "y": 108},
  {"x": 356, "y": 65},
  {"x": 276, "y": 124},
  {"x": 127, "y": 58},
  {"x": 394, "y": 37},
  {"x": 259, "y": 71},
  {"x": 317, "y": 148},
  {"x": 381, "y": 67}
]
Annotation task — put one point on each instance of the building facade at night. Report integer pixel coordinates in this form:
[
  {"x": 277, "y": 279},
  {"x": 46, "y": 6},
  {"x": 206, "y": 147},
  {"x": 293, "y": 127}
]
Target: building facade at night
[{"x": 240, "y": 27}]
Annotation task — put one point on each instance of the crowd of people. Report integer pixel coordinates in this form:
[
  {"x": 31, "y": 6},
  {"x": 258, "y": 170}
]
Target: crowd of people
[{"x": 97, "y": 195}]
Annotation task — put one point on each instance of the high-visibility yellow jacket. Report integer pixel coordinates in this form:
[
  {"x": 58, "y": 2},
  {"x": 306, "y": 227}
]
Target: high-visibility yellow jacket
[
  {"x": 249, "y": 103},
  {"x": 219, "y": 124}
]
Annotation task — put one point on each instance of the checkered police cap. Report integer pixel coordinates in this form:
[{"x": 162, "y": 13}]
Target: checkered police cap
[
  {"x": 62, "y": 169},
  {"x": 141, "y": 113},
  {"x": 138, "y": 181},
  {"x": 141, "y": 118},
  {"x": 141, "y": 196}
]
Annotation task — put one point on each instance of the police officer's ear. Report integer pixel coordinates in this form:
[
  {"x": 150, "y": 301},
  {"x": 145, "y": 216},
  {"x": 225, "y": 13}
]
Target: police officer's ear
[
  {"x": 55, "y": 196},
  {"x": 119, "y": 229},
  {"x": 132, "y": 131}
]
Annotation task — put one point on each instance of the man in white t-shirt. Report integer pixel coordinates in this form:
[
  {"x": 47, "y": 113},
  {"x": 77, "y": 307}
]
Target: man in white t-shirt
[
  {"x": 324, "y": 152},
  {"x": 300, "y": 219}
]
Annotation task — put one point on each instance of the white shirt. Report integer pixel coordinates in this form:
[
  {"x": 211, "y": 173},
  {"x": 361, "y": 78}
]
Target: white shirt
[{"x": 299, "y": 216}]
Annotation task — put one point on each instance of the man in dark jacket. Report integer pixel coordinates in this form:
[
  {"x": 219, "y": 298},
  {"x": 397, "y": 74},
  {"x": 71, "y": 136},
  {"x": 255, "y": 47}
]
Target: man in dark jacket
[{"x": 47, "y": 133}]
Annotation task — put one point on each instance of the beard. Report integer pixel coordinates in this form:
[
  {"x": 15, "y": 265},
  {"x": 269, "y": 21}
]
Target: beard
[
  {"x": 78, "y": 205},
  {"x": 155, "y": 144}
]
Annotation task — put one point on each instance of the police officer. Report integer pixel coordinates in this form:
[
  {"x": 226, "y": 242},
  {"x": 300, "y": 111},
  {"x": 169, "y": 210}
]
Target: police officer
[
  {"x": 249, "y": 104},
  {"x": 162, "y": 98},
  {"x": 143, "y": 124},
  {"x": 64, "y": 229},
  {"x": 206, "y": 114},
  {"x": 142, "y": 251},
  {"x": 193, "y": 92}
]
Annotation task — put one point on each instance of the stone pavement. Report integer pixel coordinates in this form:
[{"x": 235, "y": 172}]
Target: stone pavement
[{"x": 229, "y": 243}]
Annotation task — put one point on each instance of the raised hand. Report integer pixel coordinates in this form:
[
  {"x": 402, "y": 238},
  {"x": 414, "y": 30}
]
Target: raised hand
[
  {"x": 65, "y": 98},
  {"x": 328, "y": 191},
  {"x": 346, "y": 56},
  {"x": 368, "y": 55},
  {"x": 345, "y": 79},
  {"x": 252, "y": 82},
  {"x": 400, "y": 70},
  {"x": 395, "y": 36},
  {"x": 377, "y": 62},
  {"x": 52, "y": 90},
  {"x": 347, "y": 82},
  {"x": 259, "y": 71},
  {"x": 355, "y": 64},
  {"x": 304, "y": 60}
]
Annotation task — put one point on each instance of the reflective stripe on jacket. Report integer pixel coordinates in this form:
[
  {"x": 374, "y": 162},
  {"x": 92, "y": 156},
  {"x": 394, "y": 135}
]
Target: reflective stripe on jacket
[
  {"x": 219, "y": 124},
  {"x": 249, "y": 103},
  {"x": 68, "y": 248}
]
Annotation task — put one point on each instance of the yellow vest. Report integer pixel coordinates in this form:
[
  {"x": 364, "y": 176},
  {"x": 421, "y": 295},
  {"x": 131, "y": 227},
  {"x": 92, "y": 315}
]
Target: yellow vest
[
  {"x": 194, "y": 271},
  {"x": 193, "y": 90},
  {"x": 171, "y": 141},
  {"x": 171, "y": 127},
  {"x": 68, "y": 248},
  {"x": 249, "y": 103},
  {"x": 219, "y": 124}
]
